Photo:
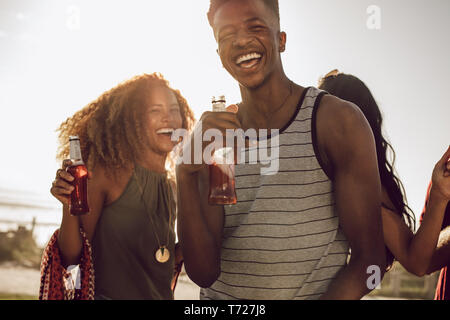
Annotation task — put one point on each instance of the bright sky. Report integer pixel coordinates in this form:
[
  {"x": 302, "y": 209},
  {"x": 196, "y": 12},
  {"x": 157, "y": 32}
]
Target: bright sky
[{"x": 58, "y": 55}]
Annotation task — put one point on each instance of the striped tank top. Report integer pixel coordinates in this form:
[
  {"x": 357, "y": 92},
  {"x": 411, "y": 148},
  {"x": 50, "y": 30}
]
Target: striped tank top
[{"x": 282, "y": 239}]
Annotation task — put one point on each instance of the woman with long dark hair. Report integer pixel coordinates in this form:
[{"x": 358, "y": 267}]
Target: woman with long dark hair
[{"x": 413, "y": 251}]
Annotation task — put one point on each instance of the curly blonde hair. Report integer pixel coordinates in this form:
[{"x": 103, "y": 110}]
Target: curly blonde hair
[{"x": 111, "y": 128}]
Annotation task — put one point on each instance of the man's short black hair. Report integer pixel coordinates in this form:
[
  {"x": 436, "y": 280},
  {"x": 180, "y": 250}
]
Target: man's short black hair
[{"x": 216, "y": 4}]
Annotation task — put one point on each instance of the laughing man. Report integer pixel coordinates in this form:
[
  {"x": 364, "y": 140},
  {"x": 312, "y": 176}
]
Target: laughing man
[{"x": 289, "y": 235}]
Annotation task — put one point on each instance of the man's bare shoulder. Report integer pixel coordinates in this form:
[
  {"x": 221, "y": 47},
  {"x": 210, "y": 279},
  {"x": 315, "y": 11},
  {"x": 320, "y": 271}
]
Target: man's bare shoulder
[
  {"x": 339, "y": 113},
  {"x": 341, "y": 129},
  {"x": 339, "y": 121}
]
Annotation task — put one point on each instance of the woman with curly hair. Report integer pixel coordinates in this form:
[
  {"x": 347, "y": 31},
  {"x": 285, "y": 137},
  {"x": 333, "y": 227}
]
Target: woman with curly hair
[
  {"x": 415, "y": 251},
  {"x": 126, "y": 143}
]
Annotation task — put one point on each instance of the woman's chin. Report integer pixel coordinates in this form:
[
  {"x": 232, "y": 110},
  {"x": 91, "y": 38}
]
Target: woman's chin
[{"x": 166, "y": 148}]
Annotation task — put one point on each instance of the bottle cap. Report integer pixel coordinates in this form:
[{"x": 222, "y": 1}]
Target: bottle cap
[
  {"x": 218, "y": 104},
  {"x": 216, "y": 99}
]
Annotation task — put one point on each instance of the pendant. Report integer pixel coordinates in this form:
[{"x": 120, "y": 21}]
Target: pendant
[{"x": 162, "y": 255}]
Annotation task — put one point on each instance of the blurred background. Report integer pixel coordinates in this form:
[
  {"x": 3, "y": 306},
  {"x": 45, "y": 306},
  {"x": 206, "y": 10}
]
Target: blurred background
[{"x": 58, "y": 55}]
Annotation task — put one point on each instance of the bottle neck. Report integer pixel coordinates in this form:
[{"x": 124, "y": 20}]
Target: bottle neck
[
  {"x": 77, "y": 162},
  {"x": 75, "y": 152},
  {"x": 219, "y": 106}
]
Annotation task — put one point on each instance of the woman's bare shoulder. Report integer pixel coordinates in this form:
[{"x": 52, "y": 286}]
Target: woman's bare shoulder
[{"x": 112, "y": 181}]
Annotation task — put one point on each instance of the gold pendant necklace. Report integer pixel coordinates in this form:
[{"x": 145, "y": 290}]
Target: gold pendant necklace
[{"x": 162, "y": 255}]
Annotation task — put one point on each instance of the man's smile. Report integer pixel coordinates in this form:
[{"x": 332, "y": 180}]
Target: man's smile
[{"x": 248, "y": 61}]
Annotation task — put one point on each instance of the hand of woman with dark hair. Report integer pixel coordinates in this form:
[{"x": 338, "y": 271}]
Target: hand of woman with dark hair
[
  {"x": 440, "y": 190},
  {"x": 440, "y": 180},
  {"x": 416, "y": 251}
]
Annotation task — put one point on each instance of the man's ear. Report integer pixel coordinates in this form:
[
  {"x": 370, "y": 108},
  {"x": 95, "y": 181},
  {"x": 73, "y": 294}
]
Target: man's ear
[{"x": 282, "y": 38}]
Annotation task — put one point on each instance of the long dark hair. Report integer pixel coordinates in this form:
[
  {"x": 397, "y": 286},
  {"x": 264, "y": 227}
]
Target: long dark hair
[{"x": 350, "y": 88}]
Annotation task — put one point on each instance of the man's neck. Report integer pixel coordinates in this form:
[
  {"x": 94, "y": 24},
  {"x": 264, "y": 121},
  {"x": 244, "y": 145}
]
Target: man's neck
[{"x": 261, "y": 104}]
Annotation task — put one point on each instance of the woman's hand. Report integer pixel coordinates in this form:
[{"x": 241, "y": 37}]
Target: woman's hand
[
  {"x": 61, "y": 186},
  {"x": 178, "y": 266},
  {"x": 440, "y": 181}
]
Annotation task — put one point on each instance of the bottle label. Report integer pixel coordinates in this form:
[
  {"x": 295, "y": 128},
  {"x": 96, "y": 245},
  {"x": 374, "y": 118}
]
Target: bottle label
[
  {"x": 224, "y": 156},
  {"x": 75, "y": 150},
  {"x": 219, "y": 107}
]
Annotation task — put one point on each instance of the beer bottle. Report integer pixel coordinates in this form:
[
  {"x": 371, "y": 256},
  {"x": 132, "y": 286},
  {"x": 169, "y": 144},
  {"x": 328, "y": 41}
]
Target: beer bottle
[
  {"x": 78, "y": 197},
  {"x": 221, "y": 171}
]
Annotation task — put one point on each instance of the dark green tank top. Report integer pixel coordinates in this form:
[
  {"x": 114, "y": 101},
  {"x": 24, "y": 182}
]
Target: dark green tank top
[{"x": 124, "y": 242}]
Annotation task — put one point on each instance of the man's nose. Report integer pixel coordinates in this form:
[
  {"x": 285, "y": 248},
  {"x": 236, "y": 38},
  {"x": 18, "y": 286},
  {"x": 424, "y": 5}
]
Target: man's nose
[{"x": 243, "y": 38}]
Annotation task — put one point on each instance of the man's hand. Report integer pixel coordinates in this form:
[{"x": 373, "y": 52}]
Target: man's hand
[
  {"x": 200, "y": 225},
  {"x": 210, "y": 123}
]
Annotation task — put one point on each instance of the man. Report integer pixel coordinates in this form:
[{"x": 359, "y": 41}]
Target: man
[
  {"x": 441, "y": 257},
  {"x": 289, "y": 233}
]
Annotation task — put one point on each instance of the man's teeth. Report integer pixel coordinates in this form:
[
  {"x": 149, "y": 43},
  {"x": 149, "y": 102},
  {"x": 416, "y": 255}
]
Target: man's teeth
[
  {"x": 164, "y": 131},
  {"x": 248, "y": 57}
]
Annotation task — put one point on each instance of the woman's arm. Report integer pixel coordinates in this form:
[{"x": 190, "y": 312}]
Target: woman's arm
[
  {"x": 69, "y": 238},
  {"x": 441, "y": 256},
  {"x": 415, "y": 252}
]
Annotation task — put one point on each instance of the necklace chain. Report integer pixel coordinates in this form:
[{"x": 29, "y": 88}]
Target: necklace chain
[
  {"x": 149, "y": 215},
  {"x": 284, "y": 101}
]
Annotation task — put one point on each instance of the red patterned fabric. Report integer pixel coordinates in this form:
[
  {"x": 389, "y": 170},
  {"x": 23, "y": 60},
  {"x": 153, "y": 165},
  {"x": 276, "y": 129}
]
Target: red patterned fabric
[{"x": 57, "y": 282}]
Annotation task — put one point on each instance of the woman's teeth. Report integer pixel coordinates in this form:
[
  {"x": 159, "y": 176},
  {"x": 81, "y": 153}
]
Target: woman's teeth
[{"x": 165, "y": 131}]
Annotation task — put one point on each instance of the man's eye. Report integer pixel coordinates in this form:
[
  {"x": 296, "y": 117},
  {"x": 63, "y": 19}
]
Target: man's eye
[
  {"x": 256, "y": 28},
  {"x": 225, "y": 36}
]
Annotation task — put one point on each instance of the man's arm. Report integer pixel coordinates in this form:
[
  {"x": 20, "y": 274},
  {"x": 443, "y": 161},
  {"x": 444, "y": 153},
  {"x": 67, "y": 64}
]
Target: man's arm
[
  {"x": 347, "y": 142},
  {"x": 199, "y": 226}
]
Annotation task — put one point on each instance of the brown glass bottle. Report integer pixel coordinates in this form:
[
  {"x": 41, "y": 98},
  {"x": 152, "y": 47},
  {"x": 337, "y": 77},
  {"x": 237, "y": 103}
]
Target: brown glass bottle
[
  {"x": 78, "y": 198},
  {"x": 221, "y": 173},
  {"x": 221, "y": 184}
]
